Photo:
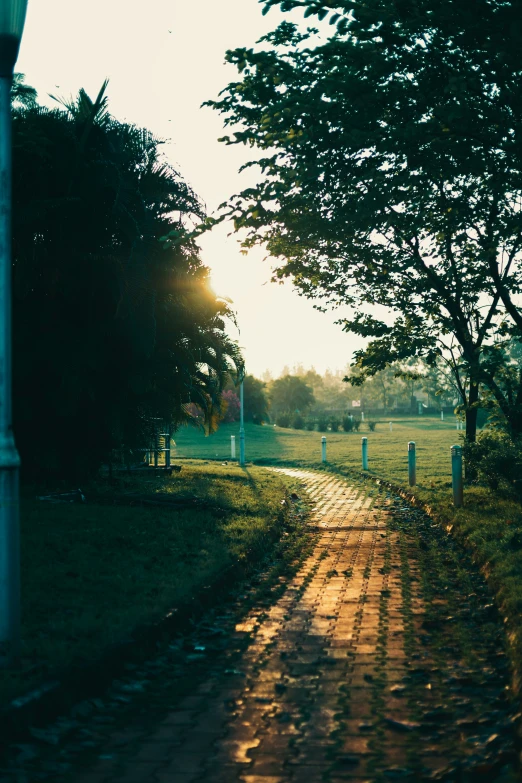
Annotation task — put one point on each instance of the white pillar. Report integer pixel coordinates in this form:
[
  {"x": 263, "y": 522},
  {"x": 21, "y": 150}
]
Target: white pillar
[
  {"x": 362, "y": 415},
  {"x": 233, "y": 446},
  {"x": 391, "y": 426},
  {"x": 442, "y": 415}
]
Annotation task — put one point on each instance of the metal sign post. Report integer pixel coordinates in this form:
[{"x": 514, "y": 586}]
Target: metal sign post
[{"x": 241, "y": 428}]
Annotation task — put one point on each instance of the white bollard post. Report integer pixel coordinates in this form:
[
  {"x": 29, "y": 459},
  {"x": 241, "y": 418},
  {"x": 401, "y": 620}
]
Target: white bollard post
[
  {"x": 412, "y": 467},
  {"x": 233, "y": 446},
  {"x": 323, "y": 448},
  {"x": 456, "y": 476},
  {"x": 167, "y": 450},
  {"x": 442, "y": 415},
  {"x": 362, "y": 415},
  {"x": 364, "y": 445},
  {"x": 391, "y": 426}
]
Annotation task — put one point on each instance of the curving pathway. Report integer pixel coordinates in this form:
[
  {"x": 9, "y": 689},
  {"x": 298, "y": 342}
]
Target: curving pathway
[{"x": 382, "y": 660}]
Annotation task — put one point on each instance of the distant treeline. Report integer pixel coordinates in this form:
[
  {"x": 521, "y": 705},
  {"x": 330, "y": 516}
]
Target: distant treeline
[{"x": 304, "y": 394}]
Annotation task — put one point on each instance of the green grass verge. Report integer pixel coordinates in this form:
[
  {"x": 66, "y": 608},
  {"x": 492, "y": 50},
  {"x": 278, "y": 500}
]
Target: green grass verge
[
  {"x": 92, "y": 573},
  {"x": 489, "y": 525},
  {"x": 387, "y": 450}
]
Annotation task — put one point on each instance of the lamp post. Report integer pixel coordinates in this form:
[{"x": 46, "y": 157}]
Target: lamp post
[
  {"x": 241, "y": 428},
  {"x": 12, "y": 18}
]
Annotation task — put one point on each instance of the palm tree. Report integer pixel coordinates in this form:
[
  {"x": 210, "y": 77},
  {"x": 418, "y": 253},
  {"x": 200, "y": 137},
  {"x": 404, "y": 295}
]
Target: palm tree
[{"x": 115, "y": 325}]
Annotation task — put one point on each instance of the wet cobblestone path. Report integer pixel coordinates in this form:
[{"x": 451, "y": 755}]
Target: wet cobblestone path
[{"x": 382, "y": 660}]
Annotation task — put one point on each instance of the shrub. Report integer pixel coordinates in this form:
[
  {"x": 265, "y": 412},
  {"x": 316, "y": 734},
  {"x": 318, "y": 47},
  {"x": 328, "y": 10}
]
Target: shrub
[
  {"x": 495, "y": 459},
  {"x": 356, "y": 424},
  {"x": 298, "y": 422},
  {"x": 230, "y": 406},
  {"x": 347, "y": 424},
  {"x": 372, "y": 425},
  {"x": 310, "y": 424},
  {"x": 334, "y": 425},
  {"x": 283, "y": 420},
  {"x": 322, "y": 424}
]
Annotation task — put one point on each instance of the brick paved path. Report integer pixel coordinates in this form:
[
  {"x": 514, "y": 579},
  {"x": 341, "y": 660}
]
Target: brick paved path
[{"x": 329, "y": 686}]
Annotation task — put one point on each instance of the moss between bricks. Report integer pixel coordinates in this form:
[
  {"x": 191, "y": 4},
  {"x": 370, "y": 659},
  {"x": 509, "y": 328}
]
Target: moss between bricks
[{"x": 486, "y": 525}]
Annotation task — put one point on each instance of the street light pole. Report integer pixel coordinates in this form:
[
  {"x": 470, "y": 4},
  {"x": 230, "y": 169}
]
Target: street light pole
[
  {"x": 12, "y": 18},
  {"x": 241, "y": 428}
]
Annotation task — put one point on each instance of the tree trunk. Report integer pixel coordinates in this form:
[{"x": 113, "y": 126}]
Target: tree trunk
[{"x": 471, "y": 413}]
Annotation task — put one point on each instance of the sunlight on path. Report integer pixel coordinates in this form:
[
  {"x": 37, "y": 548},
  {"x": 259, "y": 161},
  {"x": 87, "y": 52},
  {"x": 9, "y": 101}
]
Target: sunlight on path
[{"x": 334, "y": 683}]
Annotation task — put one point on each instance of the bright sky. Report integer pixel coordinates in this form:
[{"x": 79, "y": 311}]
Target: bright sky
[{"x": 163, "y": 59}]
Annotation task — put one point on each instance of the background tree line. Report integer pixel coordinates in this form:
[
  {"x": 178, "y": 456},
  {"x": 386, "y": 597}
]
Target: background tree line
[
  {"x": 300, "y": 393},
  {"x": 115, "y": 326}
]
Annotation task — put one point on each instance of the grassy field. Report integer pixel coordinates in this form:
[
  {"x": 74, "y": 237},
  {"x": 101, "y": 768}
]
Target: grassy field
[
  {"x": 489, "y": 525},
  {"x": 93, "y": 572},
  {"x": 387, "y": 450}
]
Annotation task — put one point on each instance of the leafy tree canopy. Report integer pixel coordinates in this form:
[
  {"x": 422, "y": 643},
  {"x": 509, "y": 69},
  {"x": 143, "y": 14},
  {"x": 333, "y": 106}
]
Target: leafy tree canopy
[
  {"x": 391, "y": 160},
  {"x": 290, "y": 394},
  {"x": 115, "y": 328},
  {"x": 255, "y": 400}
]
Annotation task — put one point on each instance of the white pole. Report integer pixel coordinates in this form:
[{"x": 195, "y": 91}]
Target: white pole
[
  {"x": 362, "y": 415},
  {"x": 412, "y": 468},
  {"x": 364, "y": 444},
  {"x": 9, "y": 459},
  {"x": 323, "y": 448},
  {"x": 442, "y": 415},
  {"x": 391, "y": 426},
  {"x": 241, "y": 428},
  {"x": 233, "y": 446},
  {"x": 456, "y": 475}
]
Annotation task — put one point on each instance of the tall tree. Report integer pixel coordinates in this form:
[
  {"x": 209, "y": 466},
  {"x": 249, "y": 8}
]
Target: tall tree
[
  {"x": 391, "y": 169},
  {"x": 255, "y": 400},
  {"x": 290, "y": 394},
  {"x": 114, "y": 326}
]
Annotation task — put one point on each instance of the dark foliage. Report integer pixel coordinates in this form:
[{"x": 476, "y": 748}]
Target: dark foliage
[
  {"x": 495, "y": 459},
  {"x": 347, "y": 424},
  {"x": 322, "y": 424},
  {"x": 298, "y": 422},
  {"x": 255, "y": 400},
  {"x": 114, "y": 328},
  {"x": 283, "y": 420}
]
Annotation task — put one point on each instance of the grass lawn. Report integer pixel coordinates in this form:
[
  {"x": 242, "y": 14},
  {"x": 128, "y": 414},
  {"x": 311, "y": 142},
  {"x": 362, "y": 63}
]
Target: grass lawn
[
  {"x": 489, "y": 525},
  {"x": 387, "y": 450},
  {"x": 93, "y": 572}
]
